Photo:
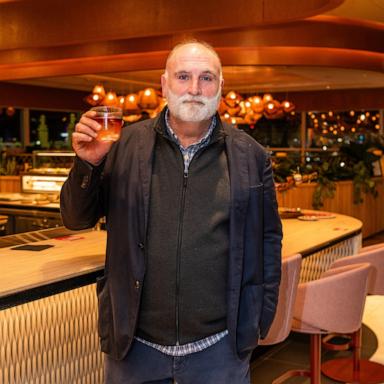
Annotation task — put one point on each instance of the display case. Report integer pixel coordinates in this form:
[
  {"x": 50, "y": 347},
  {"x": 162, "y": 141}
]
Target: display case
[
  {"x": 49, "y": 171},
  {"x": 42, "y": 183},
  {"x": 52, "y": 162},
  {"x": 37, "y": 205}
]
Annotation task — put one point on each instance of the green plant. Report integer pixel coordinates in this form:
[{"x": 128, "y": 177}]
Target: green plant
[
  {"x": 352, "y": 162},
  {"x": 3, "y": 157},
  {"x": 325, "y": 186},
  {"x": 362, "y": 182},
  {"x": 283, "y": 167},
  {"x": 362, "y": 157}
]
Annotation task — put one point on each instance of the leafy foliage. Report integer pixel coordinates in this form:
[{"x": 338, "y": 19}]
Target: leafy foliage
[
  {"x": 325, "y": 186},
  {"x": 352, "y": 162},
  {"x": 283, "y": 167},
  {"x": 362, "y": 182}
]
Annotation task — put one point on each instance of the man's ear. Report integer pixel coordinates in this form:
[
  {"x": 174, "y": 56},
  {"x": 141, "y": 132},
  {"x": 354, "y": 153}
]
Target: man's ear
[{"x": 163, "y": 84}]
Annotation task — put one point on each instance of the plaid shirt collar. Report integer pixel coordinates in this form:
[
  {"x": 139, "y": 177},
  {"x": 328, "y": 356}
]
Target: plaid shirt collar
[{"x": 199, "y": 144}]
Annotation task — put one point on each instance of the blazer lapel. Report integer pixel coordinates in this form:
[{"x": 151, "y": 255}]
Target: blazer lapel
[
  {"x": 239, "y": 182},
  {"x": 146, "y": 145}
]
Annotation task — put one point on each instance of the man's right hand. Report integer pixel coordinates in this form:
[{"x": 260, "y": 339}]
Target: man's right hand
[{"x": 84, "y": 141}]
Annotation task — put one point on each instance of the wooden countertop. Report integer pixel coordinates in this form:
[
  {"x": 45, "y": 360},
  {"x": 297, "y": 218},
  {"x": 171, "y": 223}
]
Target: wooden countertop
[
  {"x": 25, "y": 205},
  {"x": 306, "y": 237},
  {"x": 70, "y": 256},
  {"x": 83, "y": 253},
  {"x": 21, "y": 204},
  {"x": 29, "y": 200}
]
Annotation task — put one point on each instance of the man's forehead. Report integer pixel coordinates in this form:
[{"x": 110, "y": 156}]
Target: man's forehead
[{"x": 193, "y": 54}]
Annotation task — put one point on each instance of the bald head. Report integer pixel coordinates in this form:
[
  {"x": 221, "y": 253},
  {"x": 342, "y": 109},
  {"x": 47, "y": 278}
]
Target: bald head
[{"x": 193, "y": 48}]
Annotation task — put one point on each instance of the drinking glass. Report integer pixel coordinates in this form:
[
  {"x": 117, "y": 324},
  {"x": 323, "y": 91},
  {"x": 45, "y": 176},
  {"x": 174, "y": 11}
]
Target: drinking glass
[{"x": 111, "y": 121}]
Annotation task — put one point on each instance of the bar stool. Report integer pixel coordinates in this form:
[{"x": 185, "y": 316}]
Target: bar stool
[
  {"x": 281, "y": 325},
  {"x": 361, "y": 370},
  {"x": 333, "y": 303}
]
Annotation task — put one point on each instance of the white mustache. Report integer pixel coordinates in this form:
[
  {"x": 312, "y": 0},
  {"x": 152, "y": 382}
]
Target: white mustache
[{"x": 194, "y": 99}]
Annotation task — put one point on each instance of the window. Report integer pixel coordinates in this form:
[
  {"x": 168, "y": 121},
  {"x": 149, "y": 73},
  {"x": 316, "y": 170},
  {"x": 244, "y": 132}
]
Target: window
[
  {"x": 10, "y": 122},
  {"x": 277, "y": 133},
  {"x": 332, "y": 129},
  {"x": 52, "y": 129}
]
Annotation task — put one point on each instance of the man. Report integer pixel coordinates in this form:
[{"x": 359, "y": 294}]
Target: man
[{"x": 194, "y": 237}]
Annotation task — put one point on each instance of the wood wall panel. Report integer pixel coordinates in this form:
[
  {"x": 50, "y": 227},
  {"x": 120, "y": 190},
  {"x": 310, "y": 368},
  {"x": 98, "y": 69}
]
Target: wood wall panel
[
  {"x": 370, "y": 212},
  {"x": 10, "y": 184}
]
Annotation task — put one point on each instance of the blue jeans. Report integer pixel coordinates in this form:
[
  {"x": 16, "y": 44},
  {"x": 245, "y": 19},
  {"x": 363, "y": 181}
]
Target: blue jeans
[{"x": 217, "y": 364}]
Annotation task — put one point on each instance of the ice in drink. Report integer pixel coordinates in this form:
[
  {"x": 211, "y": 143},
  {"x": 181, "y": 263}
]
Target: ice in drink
[
  {"x": 111, "y": 121},
  {"x": 110, "y": 128}
]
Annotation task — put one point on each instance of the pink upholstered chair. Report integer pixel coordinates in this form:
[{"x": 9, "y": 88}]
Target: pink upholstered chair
[
  {"x": 354, "y": 368},
  {"x": 281, "y": 326},
  {"x": 333, "y": 303},
  {"x": 371, "y": 247},
  {"x": 374, "y": 255}
]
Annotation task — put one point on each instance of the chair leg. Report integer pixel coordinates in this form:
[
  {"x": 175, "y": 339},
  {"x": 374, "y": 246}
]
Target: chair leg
[
  {"x": 315, "y": 364},
  {"x": 315, "y": 359},
  {"x": 354, "y": 370},
  {"x": 287, "y": 375},
  {"x": 356, "y": 341}
]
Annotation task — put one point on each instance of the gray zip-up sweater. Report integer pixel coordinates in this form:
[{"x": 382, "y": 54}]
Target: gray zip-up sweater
[{"x": 184, "y": 290}]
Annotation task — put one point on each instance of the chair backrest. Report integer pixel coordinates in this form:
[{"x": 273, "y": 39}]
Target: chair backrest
[
  {"x": 370, "y": 247},
  {"x": 373, "y": 255},
  {"x": 333, "y": 303},
  {"x": 281, "y": 326}
]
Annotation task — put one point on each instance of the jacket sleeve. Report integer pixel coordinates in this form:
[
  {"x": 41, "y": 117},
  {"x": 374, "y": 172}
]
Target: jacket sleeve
[
  {"x": 81, "y": 198},
  {"x": 271, "y": 250}
]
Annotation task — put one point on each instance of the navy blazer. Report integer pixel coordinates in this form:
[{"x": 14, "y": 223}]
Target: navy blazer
[{"x": 120, "y": 189}]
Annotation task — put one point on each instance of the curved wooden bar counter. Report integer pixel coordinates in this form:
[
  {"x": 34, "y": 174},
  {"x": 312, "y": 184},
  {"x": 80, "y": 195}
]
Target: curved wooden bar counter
[
  {"x": 321, "y": 241},
  {"x": 310, "y": 236},
  {"x": 44, "y": 267},
  {"x": 48, "y": 303},
  {"x": 342, "y": 202}
]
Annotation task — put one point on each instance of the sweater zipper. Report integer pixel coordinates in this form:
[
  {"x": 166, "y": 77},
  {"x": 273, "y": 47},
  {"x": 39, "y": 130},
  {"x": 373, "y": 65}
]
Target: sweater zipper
[{"x": 178, "y": 256}]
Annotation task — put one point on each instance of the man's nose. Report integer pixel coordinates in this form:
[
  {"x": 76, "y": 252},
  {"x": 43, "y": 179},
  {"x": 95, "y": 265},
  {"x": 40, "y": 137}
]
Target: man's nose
[{"x": 194, "y": 87}]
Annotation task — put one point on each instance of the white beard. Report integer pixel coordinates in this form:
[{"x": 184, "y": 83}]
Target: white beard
[{"x": 203, "y": 108}]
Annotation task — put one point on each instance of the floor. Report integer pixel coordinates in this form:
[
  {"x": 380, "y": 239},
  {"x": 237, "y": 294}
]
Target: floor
[{"x": 270, "y": 362}]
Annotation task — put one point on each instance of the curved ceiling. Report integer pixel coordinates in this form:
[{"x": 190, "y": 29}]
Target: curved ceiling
[
  {"x": 341, "y": 49},
  {"x": 370, "y": 10},
  {"x": 42, "y": 23}
]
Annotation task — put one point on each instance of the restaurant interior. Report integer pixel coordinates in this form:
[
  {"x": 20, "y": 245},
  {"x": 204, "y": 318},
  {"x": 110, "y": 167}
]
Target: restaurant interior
[{"x": 304, "y": 78}]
